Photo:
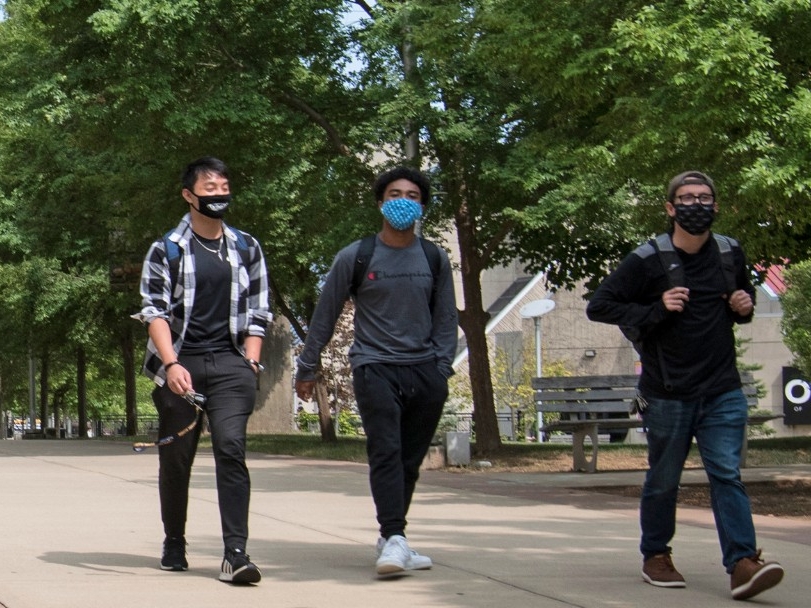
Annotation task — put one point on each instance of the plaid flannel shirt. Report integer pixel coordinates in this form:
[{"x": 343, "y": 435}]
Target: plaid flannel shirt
[{"x": 250, "y": 309}]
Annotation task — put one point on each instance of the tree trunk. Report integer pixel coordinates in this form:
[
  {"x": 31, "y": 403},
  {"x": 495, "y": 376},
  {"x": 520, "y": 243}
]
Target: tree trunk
[
  {"x": 81, "y": 390},
  {"x": 57, "y": 403},
  {"x": 2, "y": 412},
  {"x": 485, "y": 422},
  {"x": 325, "y": 421},
  {"x": 43, "y": 392},
  {"x": 128, "y": 356},
  {"x": 473, "y": 318},
  {"x": 32, "y": 391}
]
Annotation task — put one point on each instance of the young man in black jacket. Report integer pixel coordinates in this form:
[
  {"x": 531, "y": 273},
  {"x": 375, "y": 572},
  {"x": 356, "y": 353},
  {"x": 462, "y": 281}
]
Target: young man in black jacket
[{"x": 690, "y": 383}]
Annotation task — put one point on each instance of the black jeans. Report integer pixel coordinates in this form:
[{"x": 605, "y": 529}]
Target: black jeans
[
  {"x": 400, "y": 406},
  {"x": 229, "y": 384}
]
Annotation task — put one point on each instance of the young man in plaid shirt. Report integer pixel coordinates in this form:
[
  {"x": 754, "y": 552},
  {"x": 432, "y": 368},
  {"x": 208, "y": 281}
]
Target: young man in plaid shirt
[{"x": 205, "y": 302}]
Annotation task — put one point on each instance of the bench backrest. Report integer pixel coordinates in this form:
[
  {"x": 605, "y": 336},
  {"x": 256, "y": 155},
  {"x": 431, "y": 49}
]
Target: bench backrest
[{"x": 575, "y": 394}]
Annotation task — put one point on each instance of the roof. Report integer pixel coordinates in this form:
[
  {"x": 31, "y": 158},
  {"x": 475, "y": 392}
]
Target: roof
[
  {"x": 773, "y": 280},
  {"x": 504, "y": 304}
]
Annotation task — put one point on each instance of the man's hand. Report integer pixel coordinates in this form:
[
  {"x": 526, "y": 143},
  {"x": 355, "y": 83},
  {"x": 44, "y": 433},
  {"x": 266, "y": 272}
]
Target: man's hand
[
  {"x": 178, "y": 379},
  {"x": 741, "y": 303},
  {"x": 304, "y": 389},
  {"x": 675, "y": 299}
]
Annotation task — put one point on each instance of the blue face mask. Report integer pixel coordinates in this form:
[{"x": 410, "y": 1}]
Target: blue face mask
[{"x": 401, "y": 213}]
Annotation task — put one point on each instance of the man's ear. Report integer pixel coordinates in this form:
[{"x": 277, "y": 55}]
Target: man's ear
[{"x": 187, "y": 195}]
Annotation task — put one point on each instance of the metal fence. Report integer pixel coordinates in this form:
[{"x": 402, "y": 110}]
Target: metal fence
[
  {"x": 506, "y": 426},
  {"x": 99, "y": 427},
  {"x": 148, "y": 426},
  {"x": 107, "y": 426}
]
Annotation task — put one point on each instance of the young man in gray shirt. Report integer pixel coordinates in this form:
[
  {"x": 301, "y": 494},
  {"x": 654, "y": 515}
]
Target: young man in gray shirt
[{"x": 405, "y": 340}]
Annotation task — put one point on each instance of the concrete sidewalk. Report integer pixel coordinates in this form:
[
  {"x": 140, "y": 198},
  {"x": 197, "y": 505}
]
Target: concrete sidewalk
[{"x": 81, "y": 527}]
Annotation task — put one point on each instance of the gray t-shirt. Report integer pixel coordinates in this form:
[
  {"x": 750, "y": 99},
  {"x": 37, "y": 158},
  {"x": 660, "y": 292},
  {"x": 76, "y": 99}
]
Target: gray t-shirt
[{"x": 393, "y": 318}]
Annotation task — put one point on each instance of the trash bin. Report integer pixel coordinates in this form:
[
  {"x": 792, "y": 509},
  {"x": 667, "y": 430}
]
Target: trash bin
[{"x": 457, "y": 449}]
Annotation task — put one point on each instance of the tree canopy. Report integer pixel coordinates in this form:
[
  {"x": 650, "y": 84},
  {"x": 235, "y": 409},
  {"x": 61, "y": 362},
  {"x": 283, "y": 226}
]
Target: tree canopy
[
  {"x": 550, "y": 129},
  {"x": 796, "y": 322}
]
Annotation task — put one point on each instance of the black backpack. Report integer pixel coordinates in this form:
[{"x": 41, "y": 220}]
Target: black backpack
[
  {"x": 364, "y": 256},
  {"x": 671, "y": 264}
]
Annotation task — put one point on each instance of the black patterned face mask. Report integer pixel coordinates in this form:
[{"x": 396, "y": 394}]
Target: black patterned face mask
[
  {"x": 213, "y": 206},
  {"x": 696, "y": 218}
]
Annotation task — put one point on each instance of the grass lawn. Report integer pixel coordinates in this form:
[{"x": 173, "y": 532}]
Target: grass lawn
[{"x": 532, "y": 456}]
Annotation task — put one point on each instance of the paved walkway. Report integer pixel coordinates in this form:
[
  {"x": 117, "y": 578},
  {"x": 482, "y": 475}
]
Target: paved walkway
[{"x": 81, "y": 527}]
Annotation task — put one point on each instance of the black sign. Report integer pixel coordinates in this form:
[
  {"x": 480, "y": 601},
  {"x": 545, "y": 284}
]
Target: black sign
[{"x": 796, "y": 397}]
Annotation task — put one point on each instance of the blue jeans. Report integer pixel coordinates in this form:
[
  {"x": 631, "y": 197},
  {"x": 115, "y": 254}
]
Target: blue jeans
[{"x": 718, "y": 425}]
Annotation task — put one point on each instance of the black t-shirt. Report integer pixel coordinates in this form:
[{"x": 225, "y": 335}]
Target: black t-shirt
[
  {"x": 696, "y": 347},
  {"x": 208, "y": 324}
]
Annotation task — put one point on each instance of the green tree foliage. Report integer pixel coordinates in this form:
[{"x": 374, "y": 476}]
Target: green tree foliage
[
  {"x": 512, "y": 386},
  {"x": 47, "y": 313},
  {"x": 550, "y": 129},
  {"x": 105, "y": 102},
  {"x": 554, "y": 127},
  {"x": 612, "y": 99},
  {"x": 143, "y": 87},
  {"x": 796, "y": 302},
  {"x": 752, "y": 430}
]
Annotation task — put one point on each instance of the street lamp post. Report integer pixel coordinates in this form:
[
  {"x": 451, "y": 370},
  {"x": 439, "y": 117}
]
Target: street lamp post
[{"x": 535, "y": 310}]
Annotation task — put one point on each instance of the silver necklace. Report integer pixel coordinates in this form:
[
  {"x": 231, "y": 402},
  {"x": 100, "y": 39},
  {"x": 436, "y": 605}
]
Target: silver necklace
[{"x": 217, "y": 251}]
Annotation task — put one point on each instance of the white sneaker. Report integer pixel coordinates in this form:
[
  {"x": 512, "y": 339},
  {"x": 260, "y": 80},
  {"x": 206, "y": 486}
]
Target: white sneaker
[
  {"x": 394, "y": 556},
  {"x": 415, "y": 561}
]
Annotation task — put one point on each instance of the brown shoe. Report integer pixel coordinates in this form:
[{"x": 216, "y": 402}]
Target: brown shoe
[
  {"x": 752, "y": 576},
  {"x": 660, "y": 572}
]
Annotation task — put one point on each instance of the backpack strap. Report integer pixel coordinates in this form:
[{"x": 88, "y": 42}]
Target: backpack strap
[
  {"x": 670, "y": 260},
  {"x": 674, "y": 270},
  {"x": 362, "y": 259},
  {"x": 434, "y": 262},
  {"x": 725, "y": 245},
  {"x": 671, "y": 264},
  {"x": 173, "y": 254},
  {"x": 242, "y": 248}
]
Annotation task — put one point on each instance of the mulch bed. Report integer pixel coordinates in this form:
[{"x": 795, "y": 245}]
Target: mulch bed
[{"x": 789, "y": 498}]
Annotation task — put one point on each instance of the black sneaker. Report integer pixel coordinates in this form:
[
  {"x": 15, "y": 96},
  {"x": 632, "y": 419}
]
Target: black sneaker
[
  {"x": 238, "y": 568},
  {"x": 174, "y": 554}
]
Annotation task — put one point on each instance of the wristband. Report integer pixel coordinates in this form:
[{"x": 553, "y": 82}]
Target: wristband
[
  {"x": 258, "y": 365},
  {"x": 170, "y": 364}
]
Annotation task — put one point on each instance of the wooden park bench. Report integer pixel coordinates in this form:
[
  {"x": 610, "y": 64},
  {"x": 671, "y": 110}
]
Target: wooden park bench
[{"x": 588, "y": 405}]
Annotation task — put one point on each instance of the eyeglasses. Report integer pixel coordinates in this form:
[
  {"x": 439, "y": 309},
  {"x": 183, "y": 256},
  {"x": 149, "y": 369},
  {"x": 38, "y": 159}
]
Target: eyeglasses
[{"x": 689, "y": 199}]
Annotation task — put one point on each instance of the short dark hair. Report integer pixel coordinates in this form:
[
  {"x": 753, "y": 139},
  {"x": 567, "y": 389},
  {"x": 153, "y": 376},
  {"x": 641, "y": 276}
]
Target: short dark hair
[
  {"x": 202, "y": 166},
  {"x": 402, "y": 172},
  {"x": 688, "y": 177}
]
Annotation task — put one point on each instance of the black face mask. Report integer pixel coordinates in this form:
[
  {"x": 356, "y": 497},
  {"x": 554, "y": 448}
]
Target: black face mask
[
  {"x": 214, "y": 206},
  {"x": 695, "y": 219}
]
